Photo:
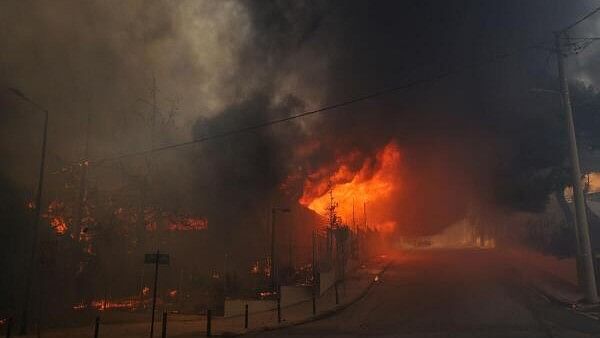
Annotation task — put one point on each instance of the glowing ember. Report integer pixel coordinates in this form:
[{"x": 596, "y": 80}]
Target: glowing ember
[
  {"x": 264, "y": 294},
  {"x": 102, "y": 305},
  {"x": 59, "y": 225},
  {"x": 80, "y": 306},
  {"x": 129, "y": 304},
  {"x": 374, "y": 182},
  {"x": 188, "y": 224},
  {"x": 56, "y": 218}
]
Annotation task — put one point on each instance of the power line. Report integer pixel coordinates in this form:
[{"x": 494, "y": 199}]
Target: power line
[
  {"x": 406, "y": 86},
  {"x": 585, "y": 17},
  {"x": 391, "y": 90}
]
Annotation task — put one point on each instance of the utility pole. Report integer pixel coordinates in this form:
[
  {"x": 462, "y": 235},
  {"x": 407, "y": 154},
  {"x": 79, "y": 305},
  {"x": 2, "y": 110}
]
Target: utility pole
[
  {"x": 333, "y": 220},
  {"x": 273, "y": 278},
  {"x": 78, "y": 223},
  {"x": 365, "y": 215},
  {"x": 587, "y": 279},
  {"x": 38, "y": 208},
  {"x": 147, "y": 178},
  {"x": 365, "y": 229},
  {"x": 290, "y": 250},
  {"x": 355, "y": 225},
  {"x": 274, "y": 268},
  {"x": 314, "y": 255}
]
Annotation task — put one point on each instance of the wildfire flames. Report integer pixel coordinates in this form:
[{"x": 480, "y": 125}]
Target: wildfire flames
[
  {"x": 105, "y": 304},
  {"x": 59, "y": 225},
  {"x": 55, "y": 217},
  {"x": 187, "y": 224},
  {"x": 355, "y": 180}
]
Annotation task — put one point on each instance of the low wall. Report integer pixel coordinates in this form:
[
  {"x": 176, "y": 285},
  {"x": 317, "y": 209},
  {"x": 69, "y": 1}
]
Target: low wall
[
  {"x": 236, "y": 307},
  {"x": 295, "y": 294},
  {"x": 327, "y": 279}
]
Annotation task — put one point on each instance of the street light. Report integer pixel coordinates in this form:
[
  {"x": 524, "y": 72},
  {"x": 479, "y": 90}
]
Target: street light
[
  {"x": 38, "y": 206},
  {"x": 274, "y": 272}
]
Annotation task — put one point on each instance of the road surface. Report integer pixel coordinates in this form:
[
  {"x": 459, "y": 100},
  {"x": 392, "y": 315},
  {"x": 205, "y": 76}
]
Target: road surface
[{"x": 448, "y": 293}]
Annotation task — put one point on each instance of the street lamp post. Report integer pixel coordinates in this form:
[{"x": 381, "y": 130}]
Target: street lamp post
[
  {"x": 38, "y": 208},
  {"x": 274, "y": 272}
]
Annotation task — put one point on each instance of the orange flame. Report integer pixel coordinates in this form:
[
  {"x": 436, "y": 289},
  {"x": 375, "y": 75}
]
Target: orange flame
[
  {"x": 59, "y": 225},
  {"x": 188, "y": 224},
  {"x": 56, "y": 218},
  {"x": 373, "y": 181},
  {"x": 129, "y": 304}
]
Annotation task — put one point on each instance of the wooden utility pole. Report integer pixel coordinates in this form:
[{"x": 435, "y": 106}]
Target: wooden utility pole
[
  {"x": 273, "y": 265},
  {"x": 587, "y": 279},
  {"x": 355, "y": 225},
  {"x": 84, "y": 163},
  {"x": 32, "y": 267}
]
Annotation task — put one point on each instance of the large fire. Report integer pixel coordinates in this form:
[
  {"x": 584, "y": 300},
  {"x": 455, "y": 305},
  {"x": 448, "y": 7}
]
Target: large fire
[{"x": 356, "y": 181}]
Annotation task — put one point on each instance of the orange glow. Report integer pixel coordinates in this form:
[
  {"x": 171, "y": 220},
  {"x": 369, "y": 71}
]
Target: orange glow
[
  {"x": 173, "y": 293},
  {"x": 102, "y": 305},
  {"x": 188, "y": 224},
  {"x": 594, "y": 182},
  {"x": 59, "y": 225},
  {"x": 372, "y": 181},
  {"x": 56, "y": 218},
  {"x": 264, "y": 294},
  {"x": 105, "y": 304}
]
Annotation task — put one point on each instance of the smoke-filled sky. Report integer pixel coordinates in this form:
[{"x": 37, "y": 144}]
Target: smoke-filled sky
[{"x": 476, "y": 137}]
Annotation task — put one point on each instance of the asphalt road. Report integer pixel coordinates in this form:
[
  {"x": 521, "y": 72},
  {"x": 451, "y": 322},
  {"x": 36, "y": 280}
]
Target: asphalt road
[{"x": 449, "y": 293}]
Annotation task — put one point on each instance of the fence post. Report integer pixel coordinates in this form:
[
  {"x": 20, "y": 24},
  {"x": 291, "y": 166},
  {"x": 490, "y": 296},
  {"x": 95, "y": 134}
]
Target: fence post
[
  {"x": 164, "y": 324},
  {"x": 314, "y": 303},
  {"x": 337, "y": 297},
  {"x": 278, "y": 309},
  {"x": 246, "y": 317},
  {"x": 97, "y": 327},
  {"x": 208, "y": 323},
  {"x": 9, "y": 324}
]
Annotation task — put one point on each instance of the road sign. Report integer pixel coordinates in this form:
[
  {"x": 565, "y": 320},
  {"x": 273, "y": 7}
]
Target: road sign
[
  {"x": 156, "y": 259},
  {"x": 163, "y": 259}
]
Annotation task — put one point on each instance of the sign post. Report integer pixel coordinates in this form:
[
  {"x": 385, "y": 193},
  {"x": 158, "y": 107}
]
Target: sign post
[{"x": 156, "y": 259}]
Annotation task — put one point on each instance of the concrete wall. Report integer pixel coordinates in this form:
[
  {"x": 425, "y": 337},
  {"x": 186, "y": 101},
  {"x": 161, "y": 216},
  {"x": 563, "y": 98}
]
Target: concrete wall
[
  {"x": 327, "y": 279},
  {"x": 236, "y": 307},
  {"x": 295, "y": 294}
]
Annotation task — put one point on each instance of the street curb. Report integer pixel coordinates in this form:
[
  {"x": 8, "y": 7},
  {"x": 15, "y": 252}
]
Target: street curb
[
  {"x": 551, "y": 298},
  {"x": 319, "y": 316}
]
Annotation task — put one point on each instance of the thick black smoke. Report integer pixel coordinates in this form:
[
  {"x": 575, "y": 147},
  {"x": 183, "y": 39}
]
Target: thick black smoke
[
  {"x": 154, "y": 73},
  {"x": 478, "y": 137}
]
